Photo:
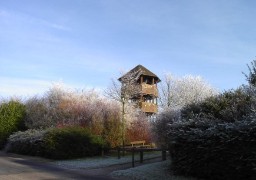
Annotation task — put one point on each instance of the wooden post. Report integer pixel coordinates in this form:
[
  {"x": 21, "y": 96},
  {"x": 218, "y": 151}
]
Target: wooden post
[
  {"x": 163, "y": 155},
  {"x": 118, "y": 153},
  {"x": 141, "y": 95},
  {"x": 102, "y": 152},
  {"x": 133, "y": 164},
  {"x": 141, "y": 156},
  {"x": 123, "y": 123}
]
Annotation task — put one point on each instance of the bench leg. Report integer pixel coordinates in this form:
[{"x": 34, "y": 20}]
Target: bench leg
[{"x": 133, "y": 164}]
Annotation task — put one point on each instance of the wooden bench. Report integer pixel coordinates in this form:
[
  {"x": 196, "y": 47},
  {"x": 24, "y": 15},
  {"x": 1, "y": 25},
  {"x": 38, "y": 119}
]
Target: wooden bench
[
  {"x": 141, "y": 150},
  {"x": 141, "y": 144}
]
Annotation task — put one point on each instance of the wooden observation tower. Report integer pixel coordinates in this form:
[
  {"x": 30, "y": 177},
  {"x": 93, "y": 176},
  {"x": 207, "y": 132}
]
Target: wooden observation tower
[{"x": 139, "y": 85}]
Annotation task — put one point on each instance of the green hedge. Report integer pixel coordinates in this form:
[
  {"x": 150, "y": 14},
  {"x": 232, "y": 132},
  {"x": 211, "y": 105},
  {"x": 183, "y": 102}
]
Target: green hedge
[
  {"x": 29, "y": 142},
  {"x": 71, "y": 142},
  {"x": 57, "y": 143},
  {"x": 12, "y": 115}
]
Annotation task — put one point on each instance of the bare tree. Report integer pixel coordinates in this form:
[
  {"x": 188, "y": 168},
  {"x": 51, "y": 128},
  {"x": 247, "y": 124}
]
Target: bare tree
[
  {"x": 124, "y": 91},
  {"x": 251, "y": 77},
  {"x": 165, "y": 91},
  {"x": 177, "y": 92},
  {"x": 125, "y": 88}
]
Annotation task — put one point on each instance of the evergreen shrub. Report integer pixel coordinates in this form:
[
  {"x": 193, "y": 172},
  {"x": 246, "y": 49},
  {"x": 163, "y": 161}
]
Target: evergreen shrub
[
  {"x": 56, "y": 143},
  {"x": 216, "y": 139},
  {"x": 71, "y": 142},
  {"x": 29, "y": 142},
  {"x": 212, "y": 150},
  {"x": 12, "y": 115},
  {"x": 229, "y": 106}
]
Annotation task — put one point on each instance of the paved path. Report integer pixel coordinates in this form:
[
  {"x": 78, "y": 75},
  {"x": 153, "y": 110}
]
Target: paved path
[{"x": 18, "y": 167}]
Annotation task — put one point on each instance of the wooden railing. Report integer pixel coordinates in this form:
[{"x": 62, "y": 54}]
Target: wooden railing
[
  {"x": 149, "y": 89},
  {"x": 148, "y": 107}
]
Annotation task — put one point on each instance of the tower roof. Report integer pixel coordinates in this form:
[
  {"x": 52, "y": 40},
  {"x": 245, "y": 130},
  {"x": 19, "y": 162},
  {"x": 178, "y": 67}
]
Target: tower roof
[{"x": 141, "y": 70}]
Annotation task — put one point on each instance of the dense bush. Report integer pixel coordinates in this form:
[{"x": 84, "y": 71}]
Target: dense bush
[
  {"x": 39, "y": 114},
  {"x": 212, "y": 150},
  {"x": 161, "y": 126},
  {"x": 139, "y": 129},
  {"x": 216, "y": 138},
  {"x": 229, "y": 106},
  {"x": 56, "y": 143},
  {"x": 71, "y": 142},
  {"x": 29, "y": 142},
  {"x": 64, "y": 108},
  {"x": 11, "y": 119},
  {"x": 112, "y": 131}
]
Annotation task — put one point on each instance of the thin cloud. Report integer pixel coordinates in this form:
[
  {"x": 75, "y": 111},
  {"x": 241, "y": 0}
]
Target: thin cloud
[
  {"x": 11, "y": 87},
  {"x": 22, "y": 86}
]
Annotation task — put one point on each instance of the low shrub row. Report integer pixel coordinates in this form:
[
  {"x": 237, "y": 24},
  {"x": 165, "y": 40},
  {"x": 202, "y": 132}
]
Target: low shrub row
[{"x": 56, "y": 143}]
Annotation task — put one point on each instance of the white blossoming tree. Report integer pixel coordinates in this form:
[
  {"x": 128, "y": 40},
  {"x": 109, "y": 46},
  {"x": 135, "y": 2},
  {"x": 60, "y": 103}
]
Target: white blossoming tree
[{"x": 177, "y": 92}]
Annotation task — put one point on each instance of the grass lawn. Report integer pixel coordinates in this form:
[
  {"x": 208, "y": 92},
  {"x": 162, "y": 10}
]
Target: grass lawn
[
  {"x": 98, "y": 162},
  {"x": 154, "y": 171}
]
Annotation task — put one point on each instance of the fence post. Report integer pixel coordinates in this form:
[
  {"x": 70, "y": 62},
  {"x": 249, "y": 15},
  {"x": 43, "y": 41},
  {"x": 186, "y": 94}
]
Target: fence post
[
  {"x": 133, "y": 157},
  {"x": 163, "y": 155},
  {"x": 141, "y": 156},
  {"x": 102, "y": 152},
  {"x": 118, "y": 153}
]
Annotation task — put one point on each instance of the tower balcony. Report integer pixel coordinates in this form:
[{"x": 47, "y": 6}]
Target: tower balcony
[
  {"x": 150, "y": 89},
  {"x": 148, "y": 107}
]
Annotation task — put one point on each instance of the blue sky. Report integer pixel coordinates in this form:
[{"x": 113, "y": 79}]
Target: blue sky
[{"x": 85, "y": 43}]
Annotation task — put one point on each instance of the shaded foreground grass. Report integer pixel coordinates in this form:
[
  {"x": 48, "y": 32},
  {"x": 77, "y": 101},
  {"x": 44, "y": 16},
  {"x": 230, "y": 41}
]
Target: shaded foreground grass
[
  {"x": 99, "y": 162},
  {"x": 153, "y": 171}
]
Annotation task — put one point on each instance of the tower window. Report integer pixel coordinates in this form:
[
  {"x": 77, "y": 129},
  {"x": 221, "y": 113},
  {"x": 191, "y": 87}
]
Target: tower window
[{"x": 148, "y": 80}]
